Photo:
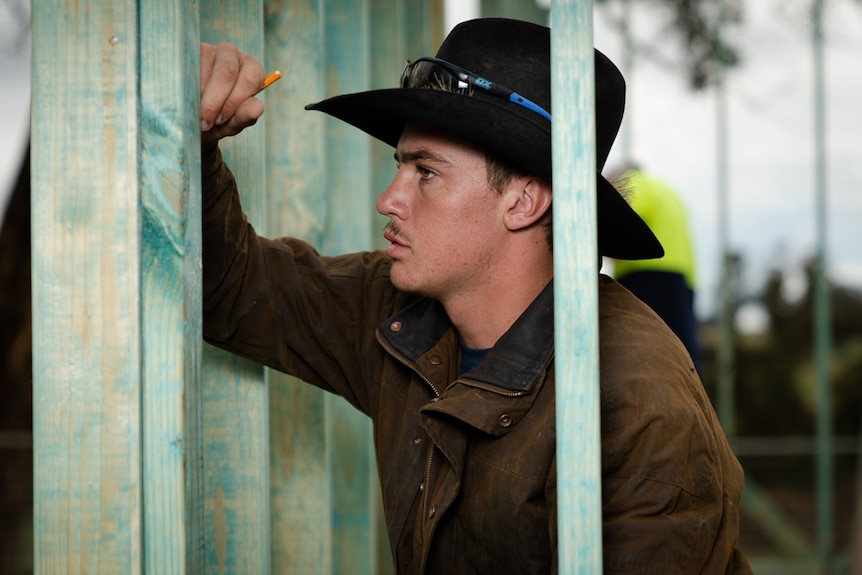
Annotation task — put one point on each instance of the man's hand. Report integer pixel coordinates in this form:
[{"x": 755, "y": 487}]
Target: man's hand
[{"x": 229, "y": 82}]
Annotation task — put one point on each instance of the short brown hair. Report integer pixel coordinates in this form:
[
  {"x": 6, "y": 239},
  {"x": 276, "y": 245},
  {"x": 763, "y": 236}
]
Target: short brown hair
[{"x": 500, "y": 173}]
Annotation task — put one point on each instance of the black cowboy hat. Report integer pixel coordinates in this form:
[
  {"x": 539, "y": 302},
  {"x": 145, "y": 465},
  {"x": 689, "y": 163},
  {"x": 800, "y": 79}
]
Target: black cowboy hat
[{"x": 517, "y": 55}]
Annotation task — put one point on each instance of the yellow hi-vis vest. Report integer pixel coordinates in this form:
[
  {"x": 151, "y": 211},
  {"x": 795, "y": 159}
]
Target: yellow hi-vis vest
[{"x": 663, "y": 211}]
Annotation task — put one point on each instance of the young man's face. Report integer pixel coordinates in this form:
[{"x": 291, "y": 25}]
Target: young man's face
[{"x": 445, "y": 219}]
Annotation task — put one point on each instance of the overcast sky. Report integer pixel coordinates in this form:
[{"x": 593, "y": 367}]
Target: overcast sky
[{"x": 672, "y": 131}]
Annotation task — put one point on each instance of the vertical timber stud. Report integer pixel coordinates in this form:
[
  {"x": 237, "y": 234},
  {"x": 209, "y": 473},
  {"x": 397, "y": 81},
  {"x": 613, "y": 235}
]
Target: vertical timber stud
[
  {"x": 86, "y": 288},
  {"x": 173, "y": 493},
  {"x": 348, "y": 228},
  {"x": 528, "y": 10},
  {"x": 116, "y": 285},
  {"x": 301, "y": 534},
  {"x": 387, "y": 59},
  {"x": 235, "y": 397},
  {"x": 579, "y": 513},
  {"x": 424, "y": 27},
  {"x": 388, "y": 56}
]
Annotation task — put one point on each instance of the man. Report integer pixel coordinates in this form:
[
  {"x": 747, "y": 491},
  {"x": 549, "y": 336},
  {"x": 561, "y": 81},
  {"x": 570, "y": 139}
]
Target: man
[
  {"x": 446, "y": 339},
  {"x": 665, "y": 284}
]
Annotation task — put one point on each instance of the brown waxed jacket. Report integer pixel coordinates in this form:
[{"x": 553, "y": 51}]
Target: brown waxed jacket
[{"x": 467, "y": 464}]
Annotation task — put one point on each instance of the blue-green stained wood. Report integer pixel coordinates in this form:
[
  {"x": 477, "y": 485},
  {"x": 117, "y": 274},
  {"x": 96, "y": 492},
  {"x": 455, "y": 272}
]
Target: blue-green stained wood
[
  {"x": 86, "y": 283},
  {"x": 171, "y": 286},
  {"x": 115, "y": 270},
  {"x": 235, "y": 397},
  {"x": 399, "y": 31},
  {"x": 301, "y": 531},
  {"x": 347, "y": 177},
  {"x": 424, "y": 27},
  {"x": 387, "y": 26},
  {"x": 348, "y": 228},
  {"x": 575, "y": 290},
  {"x": 388, "y": 55},
  {"x": 528, "y": 10}
]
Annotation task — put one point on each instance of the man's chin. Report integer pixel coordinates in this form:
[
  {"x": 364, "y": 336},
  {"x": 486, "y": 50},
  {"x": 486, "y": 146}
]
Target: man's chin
[{"x": 405, "y": 284}]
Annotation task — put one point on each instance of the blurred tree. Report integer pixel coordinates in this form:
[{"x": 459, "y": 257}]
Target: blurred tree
[
  {"x": 698, "y": 25},
  {"x": 775, "y": 375},
  {"x": 16, "y": 34}
]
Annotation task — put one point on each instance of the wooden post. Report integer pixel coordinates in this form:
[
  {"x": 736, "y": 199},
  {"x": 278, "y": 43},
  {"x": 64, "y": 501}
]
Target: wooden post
[
  {"x": 235, "y": 397},
  {"x": 388, "y": 56},
  {"x": 579, "y": 498},
  {"x": 174, "y": 521},
  {"x": 299, "y": 491},
  {"x": 528, "y": 10},
  {"x": 116, "y": 288},
  {"x": 348, "y": 228},
  {"x": 423, "y": 27}
]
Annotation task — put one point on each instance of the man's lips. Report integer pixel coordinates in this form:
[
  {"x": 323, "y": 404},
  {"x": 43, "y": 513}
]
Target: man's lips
[
  {"x": 396, "y": 245},
  {"x": 393, "y": 235},
  {"x": 390, "y": 237}
]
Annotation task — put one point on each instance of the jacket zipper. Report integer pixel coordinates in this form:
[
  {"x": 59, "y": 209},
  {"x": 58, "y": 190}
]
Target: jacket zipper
[
  {"x": 407, "y": 363},
  {"x": 491, "y": 388},
  {"x": 426, "y": 481},
  {"x": 426, "y": 487}
]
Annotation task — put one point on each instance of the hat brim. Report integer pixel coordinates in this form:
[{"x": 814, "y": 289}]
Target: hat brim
[{"x": 622, "y": 234}]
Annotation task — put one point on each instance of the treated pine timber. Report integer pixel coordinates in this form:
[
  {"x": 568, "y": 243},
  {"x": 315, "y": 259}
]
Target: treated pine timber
[
  {"x": 86, "y": 286},
  {"x": 301, "y": 529},
  {"x": 235, "y": 397},
  {"x": 348, "y": 228},
  {"x": 389, "y": 33},
  {"x": 579, "y": 499},
  {"x": 518, "y": 9},
  {"x": 116, "y": 245},
  {"x": 174, "y": 521},
  {"x": 424, "y": 27},
  {"x": 388, "y": 40}
]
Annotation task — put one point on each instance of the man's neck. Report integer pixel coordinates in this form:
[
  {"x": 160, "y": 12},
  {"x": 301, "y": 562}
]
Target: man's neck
[{"x": 482, "y": 317}]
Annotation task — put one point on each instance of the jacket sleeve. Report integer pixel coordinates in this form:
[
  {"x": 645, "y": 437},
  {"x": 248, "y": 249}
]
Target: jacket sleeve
[
  {"x": 280, "y": 303},
  {"x": 671, "y": 486}
]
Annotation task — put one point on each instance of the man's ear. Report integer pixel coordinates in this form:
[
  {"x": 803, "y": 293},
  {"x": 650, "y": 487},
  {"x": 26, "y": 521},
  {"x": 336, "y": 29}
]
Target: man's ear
[{"x": 530, "y": 200}]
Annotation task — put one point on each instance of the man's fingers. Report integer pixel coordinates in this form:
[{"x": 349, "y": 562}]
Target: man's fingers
[
  {"x": 207, "y": 57},
  {"x": 228, "y": 79},
  {"x": 219, "y": 83},
  {"x": 246, "y": 115}
]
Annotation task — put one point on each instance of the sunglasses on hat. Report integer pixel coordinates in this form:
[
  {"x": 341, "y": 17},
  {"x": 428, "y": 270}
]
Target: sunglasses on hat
[{"x": 439, "y": 74}]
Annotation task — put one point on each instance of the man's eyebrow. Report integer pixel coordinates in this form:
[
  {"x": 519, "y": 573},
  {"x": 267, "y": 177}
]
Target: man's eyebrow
[{"x": 406, "y": 157}]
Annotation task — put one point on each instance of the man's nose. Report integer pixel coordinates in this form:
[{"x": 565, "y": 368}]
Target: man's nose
[{"x": 391, "y": 202}]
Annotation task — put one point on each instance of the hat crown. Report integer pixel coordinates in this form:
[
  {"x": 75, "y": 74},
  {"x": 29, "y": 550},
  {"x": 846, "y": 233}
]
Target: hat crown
[
  {"x": 511, "y": 53},
  {"x": 517, "y": 55}
]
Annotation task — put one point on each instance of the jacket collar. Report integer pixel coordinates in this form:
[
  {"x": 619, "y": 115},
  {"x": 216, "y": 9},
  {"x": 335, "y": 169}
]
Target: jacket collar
[{"x": 513, "y": 364}]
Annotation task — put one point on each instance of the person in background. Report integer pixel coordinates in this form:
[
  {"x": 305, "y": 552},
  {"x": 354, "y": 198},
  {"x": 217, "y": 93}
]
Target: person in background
[
  {"x": 666, "y": 284},
  {"x": 446, "y": 339}
]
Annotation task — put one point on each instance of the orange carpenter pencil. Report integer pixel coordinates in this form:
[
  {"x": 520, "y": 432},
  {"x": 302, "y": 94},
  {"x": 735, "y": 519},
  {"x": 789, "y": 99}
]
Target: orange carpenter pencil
[{"x": 269, "y": 80}]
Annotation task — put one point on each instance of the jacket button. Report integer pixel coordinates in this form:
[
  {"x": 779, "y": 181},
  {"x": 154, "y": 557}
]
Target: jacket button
[
  {"x": 417, "y": 441},
  {"x": 435, "y": 360},
  {"x": 432, "y": 511},
  {"x": 505, "y": 420},
  {"x": 396, "y": 326}
]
